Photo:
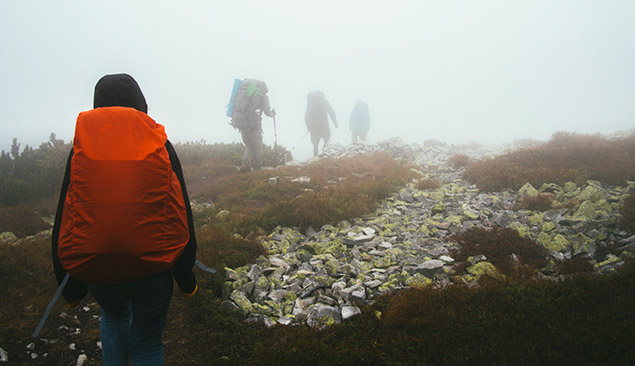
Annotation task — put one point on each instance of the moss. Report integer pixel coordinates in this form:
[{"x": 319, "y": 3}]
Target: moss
[
  {"x": 418, "y": 280},
  {"x": 484, "y": 269}
]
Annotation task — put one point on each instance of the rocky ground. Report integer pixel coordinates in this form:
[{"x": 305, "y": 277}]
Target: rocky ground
[{"x": 321, "y": 276}]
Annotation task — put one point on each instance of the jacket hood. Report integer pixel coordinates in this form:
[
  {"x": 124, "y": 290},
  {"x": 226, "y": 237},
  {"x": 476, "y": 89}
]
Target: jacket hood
[{"x": 119, "y": 90}]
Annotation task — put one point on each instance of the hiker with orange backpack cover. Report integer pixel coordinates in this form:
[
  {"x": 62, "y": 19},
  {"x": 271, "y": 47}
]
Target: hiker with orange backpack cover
[{"x": 123, "y": 228}]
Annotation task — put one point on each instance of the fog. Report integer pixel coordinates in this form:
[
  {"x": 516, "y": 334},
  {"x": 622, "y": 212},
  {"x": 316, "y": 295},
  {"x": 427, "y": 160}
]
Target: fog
[{"x": 458, "y": 71}]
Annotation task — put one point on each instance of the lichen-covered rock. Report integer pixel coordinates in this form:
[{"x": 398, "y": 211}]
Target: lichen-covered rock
[
  {"x": 528, "y": 190},
  {"x": 582, "y": 244},
  {"x": 321, "y": 316},
  {"x": 240, "y": 299},
  {"x": 483, "y": 269},
  {"x": 8, "y": 237}
]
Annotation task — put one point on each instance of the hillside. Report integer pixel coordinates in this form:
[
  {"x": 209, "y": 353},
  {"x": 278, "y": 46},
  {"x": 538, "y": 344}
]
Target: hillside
[{"x": 388, "y": 253}]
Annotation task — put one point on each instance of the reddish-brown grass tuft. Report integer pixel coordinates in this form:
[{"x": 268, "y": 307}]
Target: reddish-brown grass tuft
[
  {"x": 459, "y": 161},
  {"x": 566, "y": 157},
  {"x": 498, "y": 244},
  {"x": 424, "y": 184},
  {"x": 539, "y": 202}
]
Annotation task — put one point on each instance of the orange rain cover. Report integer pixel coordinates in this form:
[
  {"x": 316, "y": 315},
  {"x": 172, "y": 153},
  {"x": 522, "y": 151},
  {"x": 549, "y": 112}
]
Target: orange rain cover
[{"x": 124, "y": 215}]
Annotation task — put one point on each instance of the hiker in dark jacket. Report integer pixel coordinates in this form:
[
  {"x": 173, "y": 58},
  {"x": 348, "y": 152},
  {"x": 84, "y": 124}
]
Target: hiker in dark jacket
[
  {"x": 360, "y": 121},
  {"x": 318, "y": 109},
  {"x": 251, "y": 102},
  {"x": 134, "y": 312}
]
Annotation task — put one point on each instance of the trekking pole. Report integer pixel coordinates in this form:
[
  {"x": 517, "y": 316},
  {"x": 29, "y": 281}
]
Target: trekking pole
[
  {"x": 275, "y": 141},
  {"x": 275, "y": 133},
  {"x": 205, "y": 268},
  {"x": 47, "y": 312},
  {"x": 296, "y": 145},
  {"x": 348, "y": 134}
]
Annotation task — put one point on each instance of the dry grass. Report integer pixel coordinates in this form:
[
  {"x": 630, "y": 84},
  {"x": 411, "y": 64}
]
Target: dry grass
[
  {"x": 459, "y": 161},
  {"x": 566, "y": 157},
  {"x": 335, "y": 190},
  {"x": 427, "y": 184},
  {"x": 23, "y": 220},
  {"x": 539, "y": 202}
]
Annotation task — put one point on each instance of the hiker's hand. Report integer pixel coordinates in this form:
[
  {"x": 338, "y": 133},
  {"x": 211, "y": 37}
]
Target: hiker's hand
[
  {"x": 273, "y": 112},
  {"x": 72, "y": 305},
  {"x": 191, "y": 293}
]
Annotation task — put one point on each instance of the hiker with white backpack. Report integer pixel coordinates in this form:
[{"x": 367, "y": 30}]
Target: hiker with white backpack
[{"x": 248, "y": 102}]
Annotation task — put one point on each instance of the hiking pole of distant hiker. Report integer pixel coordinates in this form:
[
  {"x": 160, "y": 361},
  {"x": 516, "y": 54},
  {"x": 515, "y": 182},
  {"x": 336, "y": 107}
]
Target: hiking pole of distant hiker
[
  {"x": 47, "y": 312},
  {"x": 275, "y": 139},
  {"x": 275, "y": 133},
  {"x": 302, "y": 138},
  {"x": 348, "y": 134}
]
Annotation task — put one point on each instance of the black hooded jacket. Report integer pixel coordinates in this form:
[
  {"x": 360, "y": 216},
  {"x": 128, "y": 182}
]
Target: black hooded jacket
[{"x": 123, "y": 91}]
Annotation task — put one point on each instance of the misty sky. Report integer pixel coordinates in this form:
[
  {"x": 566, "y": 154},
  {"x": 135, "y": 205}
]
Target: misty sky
[{"x": 458, "y": 71}]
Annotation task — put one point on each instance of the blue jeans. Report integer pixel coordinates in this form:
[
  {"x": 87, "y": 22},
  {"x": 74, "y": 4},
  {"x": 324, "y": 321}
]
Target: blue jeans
[{"x": 132, "y": 320}]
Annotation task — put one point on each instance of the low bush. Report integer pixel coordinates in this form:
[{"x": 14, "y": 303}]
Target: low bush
[
  {"x": 628, "y": 212},
  {"x": 574, "y": 265},
  {"x": 498, "y": 244},
  {"x": 22, "y": 220},
  {"x": 459, "y": 161},
  {"x": 425, "y": 184},
  {"x": 539, "y": 202}
]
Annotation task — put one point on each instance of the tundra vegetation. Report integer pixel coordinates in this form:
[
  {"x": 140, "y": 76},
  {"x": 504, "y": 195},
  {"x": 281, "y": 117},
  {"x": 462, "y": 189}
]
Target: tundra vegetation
[{"x": 583, "y": 318}]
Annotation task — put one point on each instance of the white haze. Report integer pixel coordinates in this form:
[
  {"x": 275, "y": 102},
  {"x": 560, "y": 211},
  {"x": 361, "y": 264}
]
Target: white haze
[{"x": 458, "y": 71}]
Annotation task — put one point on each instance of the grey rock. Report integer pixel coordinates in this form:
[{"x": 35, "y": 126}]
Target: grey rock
[
  {"x": 626, "y": 241},
  {"x": 350, "y": 311},
  {"x": 82, "y": 359},
  {"x": 327, "y": 300},
  {"x": 254, "y": 273},
  {"x": 323, "y": 315},
  {"x": 284, "y": 320},
  {"x": 503, "y": 219},
  {"x": 373, "y": 284},
  {"x": 358, "y": 294},
  {"x": 277, "y": 295},
  {"x": 430, "y": 268}
]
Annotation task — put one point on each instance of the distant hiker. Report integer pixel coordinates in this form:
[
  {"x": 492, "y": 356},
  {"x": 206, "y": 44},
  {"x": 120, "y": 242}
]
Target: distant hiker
[
  {"x": 318, "y": 109},
  {"x": 246, "y": 109},
  {"x": 360, "y": 121},
  {"x": 123, "y": 228}
]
